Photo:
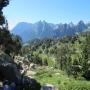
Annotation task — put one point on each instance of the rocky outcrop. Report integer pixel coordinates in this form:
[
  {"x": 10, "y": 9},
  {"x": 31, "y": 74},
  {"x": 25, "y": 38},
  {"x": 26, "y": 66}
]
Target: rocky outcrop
[
  {"x": 9, "y": 71},
  {"x": 4, "y": 58}
]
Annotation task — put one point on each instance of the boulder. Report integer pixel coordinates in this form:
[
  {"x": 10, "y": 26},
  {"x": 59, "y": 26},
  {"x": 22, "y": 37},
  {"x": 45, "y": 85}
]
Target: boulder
[
  {"x": 4, "y": 58},
  {"x": 30, "y": 84},
  {"x": 8, "y": 71},
  {"x": 32, "y": 66},
  {"x": 48, "y": 87}
]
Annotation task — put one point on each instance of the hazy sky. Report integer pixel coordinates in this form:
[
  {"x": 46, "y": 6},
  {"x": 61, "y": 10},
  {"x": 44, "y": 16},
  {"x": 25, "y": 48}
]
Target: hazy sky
[{"x": 53, "y": 11}]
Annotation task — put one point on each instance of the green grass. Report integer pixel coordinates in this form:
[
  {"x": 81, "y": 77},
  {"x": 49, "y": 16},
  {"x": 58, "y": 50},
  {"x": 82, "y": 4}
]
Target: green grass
[{"x": 60, "y": 80}]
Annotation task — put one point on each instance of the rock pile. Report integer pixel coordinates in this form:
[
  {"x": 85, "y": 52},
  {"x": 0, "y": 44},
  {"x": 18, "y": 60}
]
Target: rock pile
[{"x": 9, "y": 71}]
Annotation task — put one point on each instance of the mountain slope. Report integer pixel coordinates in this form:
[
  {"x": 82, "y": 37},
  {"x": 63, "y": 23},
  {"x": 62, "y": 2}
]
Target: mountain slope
[
  {"x": 42, "y": 29},
  {"x": 24, "y": 30}
]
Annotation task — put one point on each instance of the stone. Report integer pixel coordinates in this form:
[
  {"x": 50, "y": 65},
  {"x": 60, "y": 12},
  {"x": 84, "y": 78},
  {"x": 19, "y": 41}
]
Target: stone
[{"x": 48, "y": 87}]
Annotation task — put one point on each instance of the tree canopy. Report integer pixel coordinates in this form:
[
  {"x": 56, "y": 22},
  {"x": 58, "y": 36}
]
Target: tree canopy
[{"x": 8, "y": 43}]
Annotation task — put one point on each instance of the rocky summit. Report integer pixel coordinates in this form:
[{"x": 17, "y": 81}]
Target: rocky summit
[{"x": 43, "y": 29}]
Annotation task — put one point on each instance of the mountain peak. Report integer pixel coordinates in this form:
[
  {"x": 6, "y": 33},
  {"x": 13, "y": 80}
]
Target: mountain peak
[
  {"x": 71, "y": 24},
  {"x": 42, "y": 29},
  {"x": 81, "y": 22}
]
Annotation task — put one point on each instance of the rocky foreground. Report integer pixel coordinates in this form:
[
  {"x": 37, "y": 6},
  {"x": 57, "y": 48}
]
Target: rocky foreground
[{"x": 9, "y": 70}]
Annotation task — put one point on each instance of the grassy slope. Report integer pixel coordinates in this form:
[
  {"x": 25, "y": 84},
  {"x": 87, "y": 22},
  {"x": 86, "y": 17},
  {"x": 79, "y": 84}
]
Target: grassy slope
[
  {"x": 60, "y": 79},
  {"x": 56, "y": 77}
]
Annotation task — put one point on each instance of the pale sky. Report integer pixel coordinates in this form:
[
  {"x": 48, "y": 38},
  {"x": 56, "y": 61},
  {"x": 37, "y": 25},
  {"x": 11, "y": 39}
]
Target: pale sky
[{"x": 53, "y": 11}]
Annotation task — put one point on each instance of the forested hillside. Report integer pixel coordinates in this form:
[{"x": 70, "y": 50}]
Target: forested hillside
[{"x": 69, "y": 54}]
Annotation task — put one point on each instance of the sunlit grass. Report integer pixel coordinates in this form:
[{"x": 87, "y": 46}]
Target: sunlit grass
[{"x": 61, "y": 80}]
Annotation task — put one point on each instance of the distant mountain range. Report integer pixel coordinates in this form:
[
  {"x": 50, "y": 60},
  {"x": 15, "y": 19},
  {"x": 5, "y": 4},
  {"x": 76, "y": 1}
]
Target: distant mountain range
[{"x": 42, "y": 29}]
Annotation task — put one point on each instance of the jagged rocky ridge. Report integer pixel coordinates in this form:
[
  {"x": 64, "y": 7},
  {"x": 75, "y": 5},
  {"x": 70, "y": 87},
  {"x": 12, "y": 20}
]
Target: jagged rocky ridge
[{"x": 42, "y": 29}]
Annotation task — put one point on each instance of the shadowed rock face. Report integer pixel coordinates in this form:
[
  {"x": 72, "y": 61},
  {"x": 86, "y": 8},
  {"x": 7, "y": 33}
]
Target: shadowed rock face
[
  {"x": 4, "y": 58},
  {"x": 9, "y": 71},
  {"x": 30, "y": 84}
]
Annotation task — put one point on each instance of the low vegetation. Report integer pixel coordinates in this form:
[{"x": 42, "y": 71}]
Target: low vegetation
[
  {"x": 69, "y": 57},
  {"x": 60, "y": 79},
  {"x": 69, "y": 54}
]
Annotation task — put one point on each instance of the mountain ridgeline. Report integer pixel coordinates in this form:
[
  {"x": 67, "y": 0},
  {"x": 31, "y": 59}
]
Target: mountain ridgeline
[{"x": 42, "y": 29}]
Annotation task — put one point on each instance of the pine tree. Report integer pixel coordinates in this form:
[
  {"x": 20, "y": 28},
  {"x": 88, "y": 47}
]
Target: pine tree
[
  {"x": 8, "y": 43},
  {"x": 3, "y": 3}
]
